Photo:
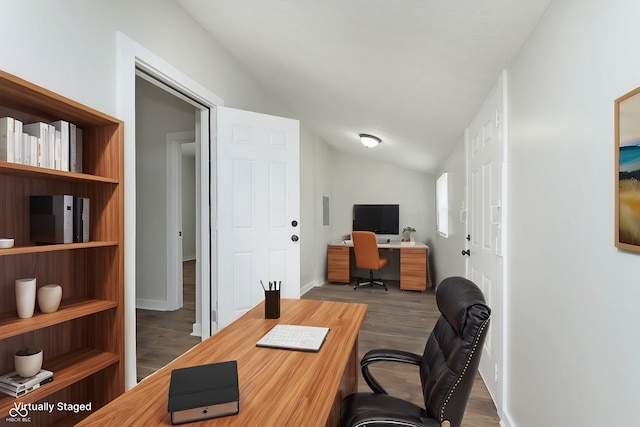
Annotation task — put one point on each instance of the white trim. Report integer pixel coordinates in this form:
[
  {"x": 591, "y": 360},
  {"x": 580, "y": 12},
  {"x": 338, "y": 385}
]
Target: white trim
[
  {"x": 152, "y": 304},
  {"x": 506, "y": 420},
  {"x": 131, "y": 55},
  {"x": 314, "y": 283},
  {"x": 174, "y": 141}
]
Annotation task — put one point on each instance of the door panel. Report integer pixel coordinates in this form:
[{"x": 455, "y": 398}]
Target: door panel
[
  {"x": 258, "y": 198},
  {"x": 485, "y": 263}
]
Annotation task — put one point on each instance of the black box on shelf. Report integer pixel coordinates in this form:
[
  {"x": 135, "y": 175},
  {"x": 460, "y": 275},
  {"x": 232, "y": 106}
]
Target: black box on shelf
[{"x": 51, "y": 219}]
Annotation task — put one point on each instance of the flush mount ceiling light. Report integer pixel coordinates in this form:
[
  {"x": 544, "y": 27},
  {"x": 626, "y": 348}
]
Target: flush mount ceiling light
[{"x": 369, "y": 141}]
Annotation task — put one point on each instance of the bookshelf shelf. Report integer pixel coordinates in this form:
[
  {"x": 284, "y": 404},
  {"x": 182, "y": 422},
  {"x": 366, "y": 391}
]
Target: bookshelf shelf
[
  {"x": 51, "y": 174},
  {"x": 11, "y": 325},
  {"x": 68, "y": 370},
  {"x": 82, "y": 342},
  {"x": 17, "y": 250}
]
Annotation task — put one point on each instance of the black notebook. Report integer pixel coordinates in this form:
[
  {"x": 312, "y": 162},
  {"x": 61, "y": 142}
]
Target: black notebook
[{"x": 203, "y": 392}]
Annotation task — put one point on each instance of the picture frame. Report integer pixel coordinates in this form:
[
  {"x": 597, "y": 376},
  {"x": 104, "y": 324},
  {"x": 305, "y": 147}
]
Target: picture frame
[{"x": 627, "y": 171}]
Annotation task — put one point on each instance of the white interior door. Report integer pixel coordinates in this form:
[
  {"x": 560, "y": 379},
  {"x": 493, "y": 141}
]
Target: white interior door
[
  {"x": 258, "y": 209},
  {"x": 485, "y": 138}
]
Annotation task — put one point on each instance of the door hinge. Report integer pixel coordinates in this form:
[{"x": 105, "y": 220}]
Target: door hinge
[
  {"x": 214, "y": 316},
  {"x": 497, "y": 118}
]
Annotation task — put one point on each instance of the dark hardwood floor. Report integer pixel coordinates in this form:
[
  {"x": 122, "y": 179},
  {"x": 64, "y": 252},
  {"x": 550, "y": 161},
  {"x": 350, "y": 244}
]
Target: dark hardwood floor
[
  {"x": 395, "y": 319},
  {"x": 403, "y": 320},
  {"x": 164, "y": 335}
]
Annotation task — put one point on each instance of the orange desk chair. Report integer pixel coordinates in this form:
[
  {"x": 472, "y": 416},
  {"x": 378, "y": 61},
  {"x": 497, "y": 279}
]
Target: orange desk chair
[{"x": 365, "y": 248}]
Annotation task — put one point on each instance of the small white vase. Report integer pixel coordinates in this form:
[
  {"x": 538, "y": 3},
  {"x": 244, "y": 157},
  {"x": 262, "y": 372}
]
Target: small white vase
[
  {"x": 49, "y": 297},
  {"x": 28, "y": 362},
  {"x": 25, "y": 297}
]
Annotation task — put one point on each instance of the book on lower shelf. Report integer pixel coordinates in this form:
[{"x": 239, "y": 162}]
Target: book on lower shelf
[
  {"x": 16, "y": 385},
  {"x": 205, "y": 391}
]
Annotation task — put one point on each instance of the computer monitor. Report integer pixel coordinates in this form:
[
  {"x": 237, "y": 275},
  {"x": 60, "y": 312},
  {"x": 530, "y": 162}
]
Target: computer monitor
[{"x": 381, "y": 219}]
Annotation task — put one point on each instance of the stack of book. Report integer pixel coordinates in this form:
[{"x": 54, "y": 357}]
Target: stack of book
[
  {"x": 16, "y": 386},
  {"x": 56, "y": 145}
]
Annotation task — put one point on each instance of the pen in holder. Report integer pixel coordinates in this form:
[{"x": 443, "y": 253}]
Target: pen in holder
[{"x": 271, "y": 300}]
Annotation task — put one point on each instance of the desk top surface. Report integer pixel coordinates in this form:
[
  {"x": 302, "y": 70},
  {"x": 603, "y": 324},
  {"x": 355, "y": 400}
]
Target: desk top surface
[
  {"x": 390, "y": 245},
  {"x": 277, "y": 387}
]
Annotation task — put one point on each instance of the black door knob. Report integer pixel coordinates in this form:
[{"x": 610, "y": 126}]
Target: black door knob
[
  {"x": 294, "y": 238},
  {"x": 294, "y": 223},
  {"x": 467, "y": 252}
]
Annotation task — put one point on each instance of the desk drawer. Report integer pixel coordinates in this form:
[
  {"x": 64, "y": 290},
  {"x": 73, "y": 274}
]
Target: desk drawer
[
  {"x": 413, "y": 269},
  {"x": 338, "y": 264}
]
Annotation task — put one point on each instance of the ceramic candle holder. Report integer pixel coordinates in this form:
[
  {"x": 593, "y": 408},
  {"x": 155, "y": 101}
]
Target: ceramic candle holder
[
  {"x": 25, "y": 297},
  {"x": 49, "y": 297},
  {"x": 28, "y": 361}
]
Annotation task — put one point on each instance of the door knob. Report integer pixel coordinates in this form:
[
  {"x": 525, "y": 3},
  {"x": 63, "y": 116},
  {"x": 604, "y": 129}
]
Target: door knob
[
  {"x": 467, "y": 252},
  {"x": 294, "y": 238}
]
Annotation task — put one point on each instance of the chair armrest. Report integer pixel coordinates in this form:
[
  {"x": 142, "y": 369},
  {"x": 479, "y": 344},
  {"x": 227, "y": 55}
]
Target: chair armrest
[{"x": 385, "y": 355}]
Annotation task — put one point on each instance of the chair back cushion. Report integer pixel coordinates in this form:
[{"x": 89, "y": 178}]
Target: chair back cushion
[
  {"x": 365, "y": 249},
  {"x": 452, "y": 353}
]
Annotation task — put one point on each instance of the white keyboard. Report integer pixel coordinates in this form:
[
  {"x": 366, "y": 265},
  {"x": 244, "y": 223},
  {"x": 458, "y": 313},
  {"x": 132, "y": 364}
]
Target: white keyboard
[{"x": 294, "y": 337}]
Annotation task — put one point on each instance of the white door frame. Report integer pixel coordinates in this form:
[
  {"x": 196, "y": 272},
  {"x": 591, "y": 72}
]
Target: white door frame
[
  {"x": 132, "y": 56},
  {"x": 174, "y": 217}
]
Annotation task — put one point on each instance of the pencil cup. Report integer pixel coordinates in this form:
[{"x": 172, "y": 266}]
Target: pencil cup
[{"x": 272, "y": 304}]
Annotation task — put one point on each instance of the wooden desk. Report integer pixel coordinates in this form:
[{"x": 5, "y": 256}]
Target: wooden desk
[
  {"x": 414, "y": 267},
  {"x": 277, "y": 387}
]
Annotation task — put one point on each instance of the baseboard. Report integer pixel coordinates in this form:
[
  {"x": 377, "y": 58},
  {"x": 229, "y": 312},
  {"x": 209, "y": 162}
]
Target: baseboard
[
  {"x": 306, "y": 288},
  {"x": 506, "y": 420},
  {"x": 186, "y": 258},
  {"x": 152, "y": 304},
  {"x": 197, "y": 330}
]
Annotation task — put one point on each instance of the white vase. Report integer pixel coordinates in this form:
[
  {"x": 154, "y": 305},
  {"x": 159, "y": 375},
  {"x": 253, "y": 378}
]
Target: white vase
[
  {"x": 25, "y": 297},
  {"x": 49, "y": 297},
  {"x": 28, "y": 362}
]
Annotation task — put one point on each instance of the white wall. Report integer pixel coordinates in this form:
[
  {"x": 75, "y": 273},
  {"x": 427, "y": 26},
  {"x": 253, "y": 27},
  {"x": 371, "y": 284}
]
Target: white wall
[
  {"x": 447, "y": 259},
  {"x": 573, "y": 297}
]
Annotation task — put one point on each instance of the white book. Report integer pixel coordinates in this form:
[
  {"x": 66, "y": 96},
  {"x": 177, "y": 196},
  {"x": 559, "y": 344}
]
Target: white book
[
  {"x": 13, "y": 381},
  {"x": 17, "y": 134},
  {"x": 52, "y": 146},
  {"x": 40, "y": 157},
  {"x": 7, "y": 139},
  {"x": 64, "y": 128},
  {"x": 57, "y": 150},
  {"x": 41, "y": 131},
  {"x": 26, "y": 149},
  {"x": 33, "y": 150}
]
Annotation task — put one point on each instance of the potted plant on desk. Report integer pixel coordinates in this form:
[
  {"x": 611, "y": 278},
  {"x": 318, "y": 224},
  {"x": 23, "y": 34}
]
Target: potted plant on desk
[{"x": 411, "y": 232}]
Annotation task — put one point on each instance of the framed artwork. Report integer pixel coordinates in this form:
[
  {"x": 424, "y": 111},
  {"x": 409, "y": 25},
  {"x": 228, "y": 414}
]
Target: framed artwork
[{"x": 627, "y": 170}]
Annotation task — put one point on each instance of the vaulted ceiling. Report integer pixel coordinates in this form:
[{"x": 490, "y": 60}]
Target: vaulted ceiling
[{"x": 412, "y": 72}]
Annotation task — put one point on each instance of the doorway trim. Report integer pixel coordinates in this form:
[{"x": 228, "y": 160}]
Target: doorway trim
[
  {"x": 133, "y": 56},
  {"x": 174, "y": 205}
]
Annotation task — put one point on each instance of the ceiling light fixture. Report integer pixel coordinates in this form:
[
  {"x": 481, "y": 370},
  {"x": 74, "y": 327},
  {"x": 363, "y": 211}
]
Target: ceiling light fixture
[{"x": 369, "y": 141}]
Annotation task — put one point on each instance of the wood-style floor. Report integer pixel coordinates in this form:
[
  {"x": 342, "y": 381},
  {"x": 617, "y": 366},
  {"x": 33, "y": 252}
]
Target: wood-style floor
[
  {"x": 164, "y": 335},
  {"x": 395, "y": 319}
]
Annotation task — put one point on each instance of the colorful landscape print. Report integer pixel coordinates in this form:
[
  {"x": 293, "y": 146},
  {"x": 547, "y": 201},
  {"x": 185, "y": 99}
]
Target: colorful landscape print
[{"x": 629, "y": 213}]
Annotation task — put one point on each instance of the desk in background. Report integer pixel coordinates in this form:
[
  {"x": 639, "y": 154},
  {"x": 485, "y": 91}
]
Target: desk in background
[
  {"x": 277, "y": 387},
  {"x": 414, "y": 266}
]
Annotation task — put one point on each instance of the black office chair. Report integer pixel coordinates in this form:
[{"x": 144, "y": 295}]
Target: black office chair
[{"x": 447, "y": 367}]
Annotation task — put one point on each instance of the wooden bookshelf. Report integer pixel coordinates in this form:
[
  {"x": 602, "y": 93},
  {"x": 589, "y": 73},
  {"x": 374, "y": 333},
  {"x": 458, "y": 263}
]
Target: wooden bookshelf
[{"x": 83, "y": 342}]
